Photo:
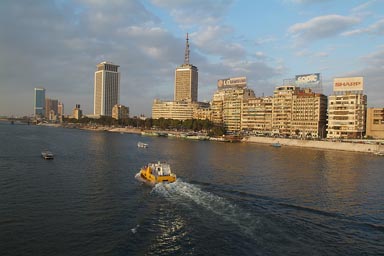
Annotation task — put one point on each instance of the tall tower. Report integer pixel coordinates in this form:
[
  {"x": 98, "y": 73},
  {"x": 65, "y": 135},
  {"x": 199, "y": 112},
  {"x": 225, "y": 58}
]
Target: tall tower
[
  {"x": 106, "y": 89},
  {"x": 186, "y": 79},
  {"x": 39, "y": 102}
]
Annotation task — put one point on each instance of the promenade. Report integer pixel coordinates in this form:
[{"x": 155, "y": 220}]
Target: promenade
[
  {"x": 329, "y": 145},
  {"x": 326, "y": 145}
]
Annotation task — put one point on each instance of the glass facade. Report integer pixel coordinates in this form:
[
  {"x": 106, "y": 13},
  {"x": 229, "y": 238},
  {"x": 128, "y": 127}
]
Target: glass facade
[{"x": 39, "y": 104}]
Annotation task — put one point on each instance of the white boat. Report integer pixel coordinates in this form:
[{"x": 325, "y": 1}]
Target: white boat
[
  {"x": 47, "y": 155},
  {"x": 142, "y": 144}
]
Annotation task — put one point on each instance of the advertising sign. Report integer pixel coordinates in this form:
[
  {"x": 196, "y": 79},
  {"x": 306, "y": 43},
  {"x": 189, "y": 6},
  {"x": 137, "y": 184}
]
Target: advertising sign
[
  {"x": 238, "y": 82},
  {"x": 308, "y": 78},
  {"x": 348, "y": 84}
]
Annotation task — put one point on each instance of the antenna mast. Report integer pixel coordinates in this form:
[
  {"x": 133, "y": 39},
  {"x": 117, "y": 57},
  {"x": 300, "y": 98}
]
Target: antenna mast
[{"x": 186, "y": 56}]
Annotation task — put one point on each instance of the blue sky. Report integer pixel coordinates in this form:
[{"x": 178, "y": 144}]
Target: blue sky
[{"x": 57, "y": 44}]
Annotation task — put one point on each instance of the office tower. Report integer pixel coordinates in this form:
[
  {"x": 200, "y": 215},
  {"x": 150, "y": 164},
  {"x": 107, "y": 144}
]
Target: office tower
[
  {"x": 106, "y": 89},
  {"x": 39, "y": 102},
  {"x": 60, "y": 109},
  {"x": 186, "y": 79},
  {"x": 51, "y": 108}
]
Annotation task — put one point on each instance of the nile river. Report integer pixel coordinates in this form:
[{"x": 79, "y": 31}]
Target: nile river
[{"x": 229, "y": 199}]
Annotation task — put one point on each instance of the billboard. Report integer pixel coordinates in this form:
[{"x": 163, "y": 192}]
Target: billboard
[
  {"x": 237, "y": 82},
  {"x": 348, "y": 84},
  {"x": 307, "y": 78}
]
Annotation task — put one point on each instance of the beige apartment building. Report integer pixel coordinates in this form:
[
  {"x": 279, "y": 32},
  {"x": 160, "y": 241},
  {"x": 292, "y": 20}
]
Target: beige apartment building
[
  {"x": 347, "y": 109},
  {"x": 257, "y": 115},
  {"x": 106, "y": 89},
  {"x": 346, "y": 116},
  {"x": 282, "y": 109},
  {"x": 202, "y": 111},
  {"x": 227, "y": 106},
  {"x": 180, "y": 110},
  {"x": 217, "y": 107},
  {"x": 120, "y": 112},
  {"x": 375, "y": 123},
  {"x": 298, "y": 112},
  {"x": 77, "y": 113},
  {"x": 309, "y": 114}
]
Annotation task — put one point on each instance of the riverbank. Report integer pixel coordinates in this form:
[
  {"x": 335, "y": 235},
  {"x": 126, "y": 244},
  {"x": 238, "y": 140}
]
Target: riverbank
[{"x": 328, "y": 145}]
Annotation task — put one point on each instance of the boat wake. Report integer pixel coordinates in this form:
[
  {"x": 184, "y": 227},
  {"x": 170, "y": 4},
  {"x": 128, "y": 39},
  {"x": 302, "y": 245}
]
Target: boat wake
[{"x": 193, "y": 197}]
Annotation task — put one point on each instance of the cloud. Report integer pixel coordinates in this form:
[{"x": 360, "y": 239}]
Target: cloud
[
  {"x": 306, "y": 1},
  {"x": 191, "y": 12},
  {"x": 320, "y": 28},
  {"x": 362, "y": 9},
  {"x": 375, "y": 29}
]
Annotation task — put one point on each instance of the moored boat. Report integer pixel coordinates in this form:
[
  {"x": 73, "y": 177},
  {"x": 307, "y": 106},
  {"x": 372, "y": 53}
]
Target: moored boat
[
  {"x": 47, "y": 155},
  {"x": 154, "y": 173},
  {"x": 276, "y": 145}
]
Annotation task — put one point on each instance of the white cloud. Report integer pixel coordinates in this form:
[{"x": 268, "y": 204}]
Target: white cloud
[
  {"x": 190, "y": 12},
  {"x": 374, "y": 29},
  {"x": 320, "y": 27}
]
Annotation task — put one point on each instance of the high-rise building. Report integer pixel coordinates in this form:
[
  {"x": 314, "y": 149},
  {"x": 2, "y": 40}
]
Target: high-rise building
[
  {"x": 186, "y": 79},
  {"x": 39, "y": 102},
  {"x": 298, "y": 112},
  {"x": 60, "y": 109},
  {"x": 309, "y": 114},
  {"x": 51, "y": 108},
  {"x": 282, "y": 109},
  {"x": 347, "y": 109},
  {"x": 227, "y": 106},
  {"x": 106, "y": 89}
]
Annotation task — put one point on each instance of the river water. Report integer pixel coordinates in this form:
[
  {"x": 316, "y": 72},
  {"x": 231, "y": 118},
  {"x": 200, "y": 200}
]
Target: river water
[{"x": 229, "y": 199}]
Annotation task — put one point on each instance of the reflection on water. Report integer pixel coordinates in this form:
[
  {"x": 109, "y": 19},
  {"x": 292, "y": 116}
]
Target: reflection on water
[{"x": 230, "y": 198}]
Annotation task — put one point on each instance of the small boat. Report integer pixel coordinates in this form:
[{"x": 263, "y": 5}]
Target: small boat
[
  {"x": 276, "y": 145},
  {"x": 142, "y": 144},
  {"x": 154, "y": 173},
  {"x": 47, "y": 155}
]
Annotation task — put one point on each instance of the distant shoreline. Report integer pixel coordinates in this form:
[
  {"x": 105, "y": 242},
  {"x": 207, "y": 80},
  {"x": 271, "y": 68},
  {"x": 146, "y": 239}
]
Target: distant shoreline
[{"x": 318, "y": 144}]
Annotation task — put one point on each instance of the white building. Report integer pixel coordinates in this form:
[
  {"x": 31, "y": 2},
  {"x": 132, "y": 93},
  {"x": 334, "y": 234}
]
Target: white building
[{"x": 106, "y": 89}]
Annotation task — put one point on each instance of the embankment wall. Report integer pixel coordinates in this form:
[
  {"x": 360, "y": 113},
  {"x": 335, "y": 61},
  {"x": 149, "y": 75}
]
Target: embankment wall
[{"x": 345, "y": 146}]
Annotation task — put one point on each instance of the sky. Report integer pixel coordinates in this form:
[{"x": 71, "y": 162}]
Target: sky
[{"x": 56, "y": 44}]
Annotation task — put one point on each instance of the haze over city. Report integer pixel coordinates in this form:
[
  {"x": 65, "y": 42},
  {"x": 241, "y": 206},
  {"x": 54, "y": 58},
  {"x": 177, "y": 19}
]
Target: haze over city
[{"x": 57, "y": 45}]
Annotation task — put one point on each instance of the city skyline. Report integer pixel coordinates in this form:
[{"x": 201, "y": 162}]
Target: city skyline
[{"x": 56, "y": 44}]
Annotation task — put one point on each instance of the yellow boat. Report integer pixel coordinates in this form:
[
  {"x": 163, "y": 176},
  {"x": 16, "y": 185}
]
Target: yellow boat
[{"x": 154, "y": 173}]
